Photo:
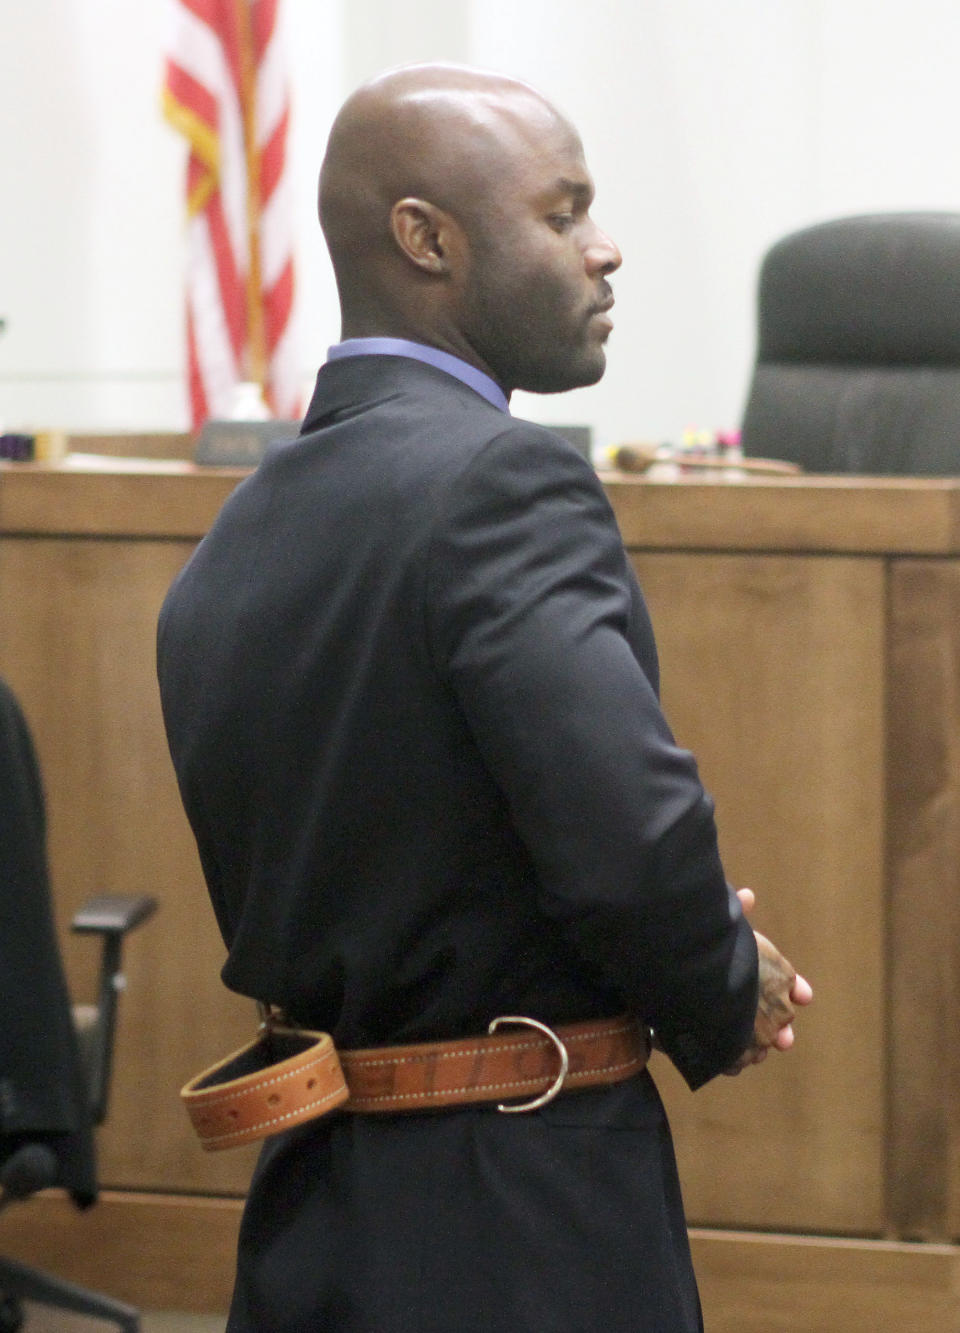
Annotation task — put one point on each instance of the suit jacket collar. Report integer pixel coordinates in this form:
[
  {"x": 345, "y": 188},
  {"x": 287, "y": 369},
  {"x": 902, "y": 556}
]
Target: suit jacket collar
[{"x": 345, "y": 385}]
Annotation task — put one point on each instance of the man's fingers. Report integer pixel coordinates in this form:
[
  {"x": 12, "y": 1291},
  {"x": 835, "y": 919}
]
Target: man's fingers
[
  {"x": 753, "y": 1055},
  {"x": 747, "y": 900},
  {"x": 784, "y": 1038},
  {"x": 781, "y": 989},
  {"x": 801, "y": 992}
]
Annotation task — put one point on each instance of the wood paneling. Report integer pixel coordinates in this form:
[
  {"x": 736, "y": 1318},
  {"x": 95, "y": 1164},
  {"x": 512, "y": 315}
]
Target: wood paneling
[
  {"x": 856, "y": 515},
  {"x": 773, "y": 674},
  {"x": 164, "y": 1252},
  {"x": 811, "y": 659},
  {"x": 158, "y": 1251},
  {"x": 793, "y": 1284},
  {"x": 77, "y": 632},
  {"x": 124, "y": 498},
  {"x": 924, "y": 898}
]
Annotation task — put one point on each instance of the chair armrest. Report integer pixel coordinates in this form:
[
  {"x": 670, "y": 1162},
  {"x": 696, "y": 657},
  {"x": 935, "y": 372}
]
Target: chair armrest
[
  {"x": 113, "y": 914},
  {"x": 110, "y": 917}
]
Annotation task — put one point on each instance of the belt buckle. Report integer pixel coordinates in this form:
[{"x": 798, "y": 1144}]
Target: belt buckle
[{"x": 558, "y": 1082}]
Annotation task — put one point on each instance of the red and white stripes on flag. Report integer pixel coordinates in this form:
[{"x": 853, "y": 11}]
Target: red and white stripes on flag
[{"x": 226, "y": 91}]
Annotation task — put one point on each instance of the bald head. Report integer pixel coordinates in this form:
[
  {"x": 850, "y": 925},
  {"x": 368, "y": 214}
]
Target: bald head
[
  {"x": 443, "y": 134},
  {"x": 410, "y": 124},
  {"x": 422, "y": 169},
  {"x": 432, "y": 131}
]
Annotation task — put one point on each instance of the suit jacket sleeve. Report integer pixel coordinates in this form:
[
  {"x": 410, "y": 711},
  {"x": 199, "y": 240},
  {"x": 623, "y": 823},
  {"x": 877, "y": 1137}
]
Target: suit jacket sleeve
[{"x": 537, "y": 624}]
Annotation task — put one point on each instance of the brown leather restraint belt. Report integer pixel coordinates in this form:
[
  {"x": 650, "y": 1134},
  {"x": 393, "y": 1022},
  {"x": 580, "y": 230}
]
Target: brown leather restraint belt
[{"x": 288, "y": 1076}]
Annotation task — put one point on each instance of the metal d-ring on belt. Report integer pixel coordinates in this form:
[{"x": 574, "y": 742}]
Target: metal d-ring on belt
[{"x": 288, "y": 1075}]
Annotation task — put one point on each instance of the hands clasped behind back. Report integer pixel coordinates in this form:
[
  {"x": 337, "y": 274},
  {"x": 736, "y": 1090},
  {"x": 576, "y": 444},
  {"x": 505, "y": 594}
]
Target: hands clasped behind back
[{"x": 781, "y": 990}]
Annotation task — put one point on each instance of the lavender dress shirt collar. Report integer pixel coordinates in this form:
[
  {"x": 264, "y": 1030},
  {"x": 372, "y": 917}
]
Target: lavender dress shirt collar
[{"x": 433, "y": 356}]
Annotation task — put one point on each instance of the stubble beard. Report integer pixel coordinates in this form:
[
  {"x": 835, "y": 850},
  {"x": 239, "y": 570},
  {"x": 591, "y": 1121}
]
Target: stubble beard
[{"x": 524, "y": 344}]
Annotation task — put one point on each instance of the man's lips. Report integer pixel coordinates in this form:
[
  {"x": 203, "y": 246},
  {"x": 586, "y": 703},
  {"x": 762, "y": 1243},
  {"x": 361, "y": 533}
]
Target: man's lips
[{"x": 600, "y": 313}]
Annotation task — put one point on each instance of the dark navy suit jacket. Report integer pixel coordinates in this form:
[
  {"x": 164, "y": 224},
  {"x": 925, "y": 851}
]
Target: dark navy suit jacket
[
  {"x": 42, "y": 1089},
  {"x": 410, "y": 687}
]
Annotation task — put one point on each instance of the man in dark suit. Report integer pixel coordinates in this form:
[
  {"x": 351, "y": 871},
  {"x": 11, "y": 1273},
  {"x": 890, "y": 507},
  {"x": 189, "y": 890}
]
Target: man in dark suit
[
  {"x": 410, "y": 687},
  {"x": 42, "y": 1090}
]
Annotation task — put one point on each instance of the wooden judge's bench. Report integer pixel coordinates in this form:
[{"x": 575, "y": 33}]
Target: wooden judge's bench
[{"x": 809, "y": 631}]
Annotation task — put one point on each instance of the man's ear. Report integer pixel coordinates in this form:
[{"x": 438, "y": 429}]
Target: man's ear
[{"x": 426, "y": 234}]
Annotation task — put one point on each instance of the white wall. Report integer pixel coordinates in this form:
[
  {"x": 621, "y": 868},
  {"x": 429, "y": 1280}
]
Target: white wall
[{"x": 711, "y": 129}]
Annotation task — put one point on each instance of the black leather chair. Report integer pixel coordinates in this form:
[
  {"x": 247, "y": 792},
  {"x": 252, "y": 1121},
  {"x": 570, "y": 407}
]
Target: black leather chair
[
  {"x": 858, "y": 347},
  {"x": 55, "y": 1060}
]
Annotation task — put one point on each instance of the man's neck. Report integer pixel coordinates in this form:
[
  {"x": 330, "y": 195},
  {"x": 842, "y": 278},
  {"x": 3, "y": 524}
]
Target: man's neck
[{"x": 448, "y": 362}]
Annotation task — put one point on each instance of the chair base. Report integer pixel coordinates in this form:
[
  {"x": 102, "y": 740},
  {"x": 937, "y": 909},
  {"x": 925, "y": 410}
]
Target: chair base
[{"x": 20, "y": 1283}]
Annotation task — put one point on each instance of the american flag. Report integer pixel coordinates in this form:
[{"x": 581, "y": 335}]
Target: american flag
[{"x": 226, "y": 90}]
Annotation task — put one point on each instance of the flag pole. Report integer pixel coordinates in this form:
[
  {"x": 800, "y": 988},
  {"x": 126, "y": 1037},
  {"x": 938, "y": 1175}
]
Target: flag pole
[{"x": 256, "y": 351}]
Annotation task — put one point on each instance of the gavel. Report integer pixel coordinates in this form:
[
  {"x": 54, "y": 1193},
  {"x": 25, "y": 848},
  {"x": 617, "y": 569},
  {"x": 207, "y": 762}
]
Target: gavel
[{"x": 642, "y": 457}]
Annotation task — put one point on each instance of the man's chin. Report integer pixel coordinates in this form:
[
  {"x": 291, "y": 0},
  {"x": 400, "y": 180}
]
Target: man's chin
[{"x": 578, "y": 374}]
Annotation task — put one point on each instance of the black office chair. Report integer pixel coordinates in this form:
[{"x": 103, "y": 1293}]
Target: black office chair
[
  {"x": 55, "y": 1060},
  {"x": 858, "y": 347}
]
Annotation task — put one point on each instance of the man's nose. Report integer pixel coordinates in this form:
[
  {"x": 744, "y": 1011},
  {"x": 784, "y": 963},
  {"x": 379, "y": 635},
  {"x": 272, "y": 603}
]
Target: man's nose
[{"x": 602, "y": 255}]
